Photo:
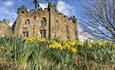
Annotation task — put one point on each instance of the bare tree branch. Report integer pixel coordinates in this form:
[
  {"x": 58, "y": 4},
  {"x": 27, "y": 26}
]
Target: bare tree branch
[{"x": 100, "y": 13}]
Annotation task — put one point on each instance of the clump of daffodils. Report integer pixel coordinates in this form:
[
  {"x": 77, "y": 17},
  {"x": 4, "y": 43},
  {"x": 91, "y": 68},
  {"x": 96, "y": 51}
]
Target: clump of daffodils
[
  {"x": 55, "y": 45},
  {"x": 80, "y": 44},
  {"x": 73, "y": 50},
  {"x": 65, "y": 46},
  {"x": 31, "y": 40},
  {"x": 103, "y": 43},
  {"x": 68, "y": 45},
  {"x": 89, "y": 44}
]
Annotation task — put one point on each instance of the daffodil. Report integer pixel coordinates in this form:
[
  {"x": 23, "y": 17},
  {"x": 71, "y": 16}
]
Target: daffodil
[
  {"x": 99, "y": 44},
  {"x": 73, "y": 50},
  {"x": 89, "y": 44},
  {"x": 55, "y": 45},
  {"x": 42, "y": 40},
  {"x": 81, "y": 44}
]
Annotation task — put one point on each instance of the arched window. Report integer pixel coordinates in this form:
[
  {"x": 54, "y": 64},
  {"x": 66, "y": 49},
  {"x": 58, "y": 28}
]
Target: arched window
[
  {"x": 43, "y": 22},
  {"x": 27, "y": 23}
]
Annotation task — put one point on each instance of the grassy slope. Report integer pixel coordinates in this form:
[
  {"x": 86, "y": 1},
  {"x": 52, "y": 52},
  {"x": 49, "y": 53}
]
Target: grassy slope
[{"x": 17, "y": 54}]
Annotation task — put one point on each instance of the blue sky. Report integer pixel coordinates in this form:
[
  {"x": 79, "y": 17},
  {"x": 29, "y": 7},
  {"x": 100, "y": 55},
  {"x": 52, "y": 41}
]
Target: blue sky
[{"x": 8, "y": 8}]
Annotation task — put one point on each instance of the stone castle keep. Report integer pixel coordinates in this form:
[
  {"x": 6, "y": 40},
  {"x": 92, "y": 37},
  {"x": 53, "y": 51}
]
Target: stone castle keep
[{"x": 41, "y": 23}]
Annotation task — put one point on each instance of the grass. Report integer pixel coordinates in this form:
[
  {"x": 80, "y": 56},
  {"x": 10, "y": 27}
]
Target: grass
[{"x": 43, "y": 54}]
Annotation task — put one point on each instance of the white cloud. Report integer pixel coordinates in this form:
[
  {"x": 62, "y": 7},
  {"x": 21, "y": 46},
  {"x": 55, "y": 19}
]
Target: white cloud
[
  {"x": 43, "y": 5},
  {"x": 64, "y": 8},
  {"x": 8, "y": 3},
  {"x": 7, "y": 14}
]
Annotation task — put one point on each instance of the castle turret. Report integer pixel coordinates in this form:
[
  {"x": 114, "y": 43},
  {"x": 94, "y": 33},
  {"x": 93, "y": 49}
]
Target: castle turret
[
  {"x": 22, "y": 10},
  {"x": 52, "y": 6},
  {"x": 74, "y": 20}
]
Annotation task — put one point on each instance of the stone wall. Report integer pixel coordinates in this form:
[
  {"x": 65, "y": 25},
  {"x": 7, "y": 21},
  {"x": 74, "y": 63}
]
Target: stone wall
[
  {"x": 4, "y": 28},
  {"x": 61, "y": 26}
]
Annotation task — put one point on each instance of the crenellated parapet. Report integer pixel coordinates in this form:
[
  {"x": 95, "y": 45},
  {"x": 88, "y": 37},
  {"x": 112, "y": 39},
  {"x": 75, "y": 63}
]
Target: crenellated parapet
[
  {"x": 73, "y": 18},
  {"x": 52, "y": 6},
  {"x": 4, "y": 21}
]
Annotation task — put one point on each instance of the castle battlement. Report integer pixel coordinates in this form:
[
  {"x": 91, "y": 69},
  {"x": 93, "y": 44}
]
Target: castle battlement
[
  {"x": 4, "y": 21},
  {"x": 23, "y": 9}
]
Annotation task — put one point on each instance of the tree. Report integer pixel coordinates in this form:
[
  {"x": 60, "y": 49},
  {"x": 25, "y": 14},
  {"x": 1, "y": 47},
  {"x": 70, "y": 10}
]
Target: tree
[{"x": 99, "y": 18}]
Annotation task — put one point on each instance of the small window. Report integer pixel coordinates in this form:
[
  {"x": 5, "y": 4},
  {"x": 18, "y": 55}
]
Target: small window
[
  {"x": 43, "y": 33},
  {"x": 67, "y": 32},
  {"x": 68, "y": 38},
  {"x": 67, "y": 29},
  {"x": 34, "y": 17},
  {"x": 26, "y": 34},
  {"x": 56, "y": 21},
  {"x": 43, "y": 22},
  {"x": 22, "y": 12},
  {"x": 27, "y": 23}
]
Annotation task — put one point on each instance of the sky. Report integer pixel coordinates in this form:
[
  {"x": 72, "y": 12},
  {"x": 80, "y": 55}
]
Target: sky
[{"x": 8, "y": 8}]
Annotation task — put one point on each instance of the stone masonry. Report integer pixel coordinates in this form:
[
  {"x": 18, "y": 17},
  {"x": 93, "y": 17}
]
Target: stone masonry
[
  {"x": 4, "y": 28},
  {"x": 35, "y": 23}
]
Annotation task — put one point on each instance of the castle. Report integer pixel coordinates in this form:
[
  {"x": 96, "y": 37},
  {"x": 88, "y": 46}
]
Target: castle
[{"x": 47, "y": 23}]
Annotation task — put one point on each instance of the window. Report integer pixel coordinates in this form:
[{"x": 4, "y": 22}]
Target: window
[
  {"x": 56, "y": 21},
  {"x": 68, "y": 38},
  {"x": 26, "y": 34},
  {"x": 27, "y": 23},
  {"x": 67, "y": 29},
  {"x": 43, "y": 33},
  {"x": 43, "y": 22},
  {"x": 22, "y": 12},
  {"x": 67, "y": 32},
  {"x": 34, "y": 17}
]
